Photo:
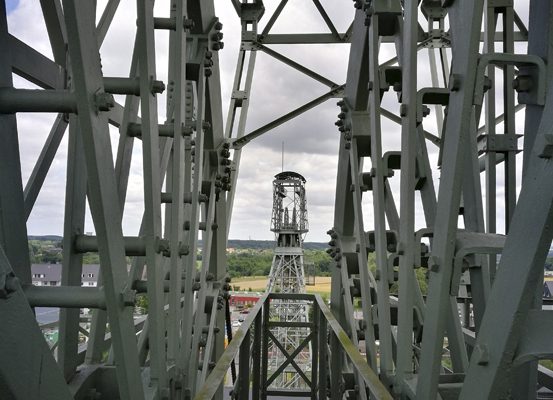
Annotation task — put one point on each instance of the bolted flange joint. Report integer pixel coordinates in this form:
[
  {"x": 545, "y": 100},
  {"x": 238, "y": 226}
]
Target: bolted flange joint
[
  {"x": 104, "y": 101},
  {"x": 128, "y": 298},
  {"x": 9, "y": 284}
]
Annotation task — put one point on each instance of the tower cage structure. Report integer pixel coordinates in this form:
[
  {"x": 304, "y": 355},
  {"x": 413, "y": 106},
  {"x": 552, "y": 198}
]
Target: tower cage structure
[
  {"x": 289, "y": 223},
  {"x": 444, "y": 179}
]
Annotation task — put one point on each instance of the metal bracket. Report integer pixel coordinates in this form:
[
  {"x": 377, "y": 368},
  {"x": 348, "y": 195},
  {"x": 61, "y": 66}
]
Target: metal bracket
[
  {"x": 520, "y": 60},
  {"x": 498, "y": 143},
  {"x": 468, "y": 243},
  {"x": 435, "y": 96}
]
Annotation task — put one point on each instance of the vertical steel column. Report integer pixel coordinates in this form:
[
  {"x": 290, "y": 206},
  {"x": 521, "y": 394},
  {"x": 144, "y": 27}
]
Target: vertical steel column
[
  {"x": 218, "y": 268},
  {"x": 256, "y": 356},
  {"x": 95, "y": 346},
  {"x": 75, "y": 205},
  {"x": 13, "y": 230},
  {"x": 190, "y": 341},
  {"x": 103, "y": 198},
  {"x": 176, "y": 114},
  {"x": 265, "y": 349},
  {"x": 490, "y": 124},
  {"x": 240, "y": 99},
  {"x": 315, "y": 346},
  {"x": 206, "y": 304},
  {"x": 509, "y": 113},
  {"x": 244, "y": 368},
  {"x": 407, "y": 282},
  {"x": 152, "y": 191},
  {"x": 465, "y": 19},
  {"x": 349, "y": 232},
  {"x": 323, "y": 361},
  {"x": 377, "y": 173},
  {"x": 519, "y": 273}
]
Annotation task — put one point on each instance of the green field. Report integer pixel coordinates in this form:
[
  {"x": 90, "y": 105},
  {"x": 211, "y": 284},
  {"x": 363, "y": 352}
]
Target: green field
[{"x": 259, "y": 283}]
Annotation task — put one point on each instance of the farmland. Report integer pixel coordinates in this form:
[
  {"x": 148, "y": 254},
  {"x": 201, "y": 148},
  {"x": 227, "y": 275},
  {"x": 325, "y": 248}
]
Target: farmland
[{"x": 258, "y": 284}]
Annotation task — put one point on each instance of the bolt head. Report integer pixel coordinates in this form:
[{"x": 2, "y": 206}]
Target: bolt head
[
  {"x": 455, "y": 82},
  {"x": 104, "y": 101}
]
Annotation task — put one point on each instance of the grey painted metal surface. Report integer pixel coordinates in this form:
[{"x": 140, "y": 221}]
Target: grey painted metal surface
[{"x": 467, "y": 236}]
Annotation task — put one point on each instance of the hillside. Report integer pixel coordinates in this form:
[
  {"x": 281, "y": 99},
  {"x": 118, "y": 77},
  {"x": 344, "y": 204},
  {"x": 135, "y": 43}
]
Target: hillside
[
  {"x": 232, "y": 243},
  {"x": 245, "y": 257}
]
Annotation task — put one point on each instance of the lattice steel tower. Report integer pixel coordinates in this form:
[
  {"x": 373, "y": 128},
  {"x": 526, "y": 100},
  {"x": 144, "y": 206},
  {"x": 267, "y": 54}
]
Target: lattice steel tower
[{"x": 289, "y": 222}]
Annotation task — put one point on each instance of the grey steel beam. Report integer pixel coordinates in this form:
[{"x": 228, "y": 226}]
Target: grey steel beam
[
  {"x": 27, "y": 369},
  {"x": 189, "y": 352},
  {"x": 329, "y": 38},
  {"x": 53, "y": 18},
  {"x": 383, "y": 15},
  {"x": 175, "y": 225},
  {"x": 106, "y": 19},
  {"x": 13, "y": 230},
  {"x": 103, "y": 194},
  {"x": 241, "y": 142},
  {"x": 65, "y": 296},
  {"x": 274, "y": 17},
  {"x": 343, "y": 216},
  {"x": 152, "y": 193},
  {"x": 310, "y": 73},
  {"x": 75, "y": 205},
  {"x": 464, "y": 18},
  {"x": 191, "y": 150},
  {"x": 392, "y": 117},
  {"x": 497, "y": 352},
  {"x": 327, "y": 19},
  {"x": 207, "y": 304},
  {"x": 231, "y": 117},
  {"x": 404, "y": 360},
  {"x": 47, "y": 154},
  {"x": 299, "y": 38},
  {"x": 33, "y": 66}
]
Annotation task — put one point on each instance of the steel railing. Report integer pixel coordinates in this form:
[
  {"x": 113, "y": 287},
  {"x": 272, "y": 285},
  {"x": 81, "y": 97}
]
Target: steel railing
[{"x": 250, "y": 345}]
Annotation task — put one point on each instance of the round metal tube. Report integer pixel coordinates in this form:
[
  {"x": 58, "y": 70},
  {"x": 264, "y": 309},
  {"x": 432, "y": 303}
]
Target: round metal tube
[
  {"x": 29, "y": 100},
  {"x": 134, "y": 245},
  {"x": 65, "y": 296}
]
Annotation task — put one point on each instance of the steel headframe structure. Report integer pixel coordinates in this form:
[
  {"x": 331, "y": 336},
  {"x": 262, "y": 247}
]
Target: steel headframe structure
[
  {"x": 289, "y": 223},
  {"x": 184, "y": 153},
  {"x": 410, "y": 329},
  {"x": 493, "y": 353}
]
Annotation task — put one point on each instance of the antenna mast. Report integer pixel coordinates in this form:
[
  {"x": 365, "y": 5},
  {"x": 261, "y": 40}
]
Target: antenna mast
[{"x": 282, "y": 170}]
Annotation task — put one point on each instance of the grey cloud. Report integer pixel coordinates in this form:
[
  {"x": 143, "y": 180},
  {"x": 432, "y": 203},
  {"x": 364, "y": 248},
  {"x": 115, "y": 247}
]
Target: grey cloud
[{"x": 311, "y": 141}]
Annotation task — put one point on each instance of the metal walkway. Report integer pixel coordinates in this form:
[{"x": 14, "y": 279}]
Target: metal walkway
[{"x": 444, "y": 180}]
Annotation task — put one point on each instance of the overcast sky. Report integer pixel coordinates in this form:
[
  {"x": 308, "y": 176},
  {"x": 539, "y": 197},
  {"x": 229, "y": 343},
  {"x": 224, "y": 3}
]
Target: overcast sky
[{"x": 310, "y": 141}]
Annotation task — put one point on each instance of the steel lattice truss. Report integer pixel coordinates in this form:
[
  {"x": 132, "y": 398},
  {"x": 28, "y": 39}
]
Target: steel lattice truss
[
  {"x": 289, "y": 223},
  {"x": 184, "y": 153},
  {"x": 460, "y": 71}
]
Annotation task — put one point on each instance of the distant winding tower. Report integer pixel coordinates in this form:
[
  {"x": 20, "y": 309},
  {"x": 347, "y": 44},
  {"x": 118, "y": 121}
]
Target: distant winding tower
[{"x": 289, "y": 223}]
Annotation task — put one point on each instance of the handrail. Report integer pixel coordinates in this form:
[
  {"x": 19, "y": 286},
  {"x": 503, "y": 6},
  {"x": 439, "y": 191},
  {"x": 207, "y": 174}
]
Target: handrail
[
  {"x": 218, "y": 374},
  {"x": 371, "y": 379}
]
